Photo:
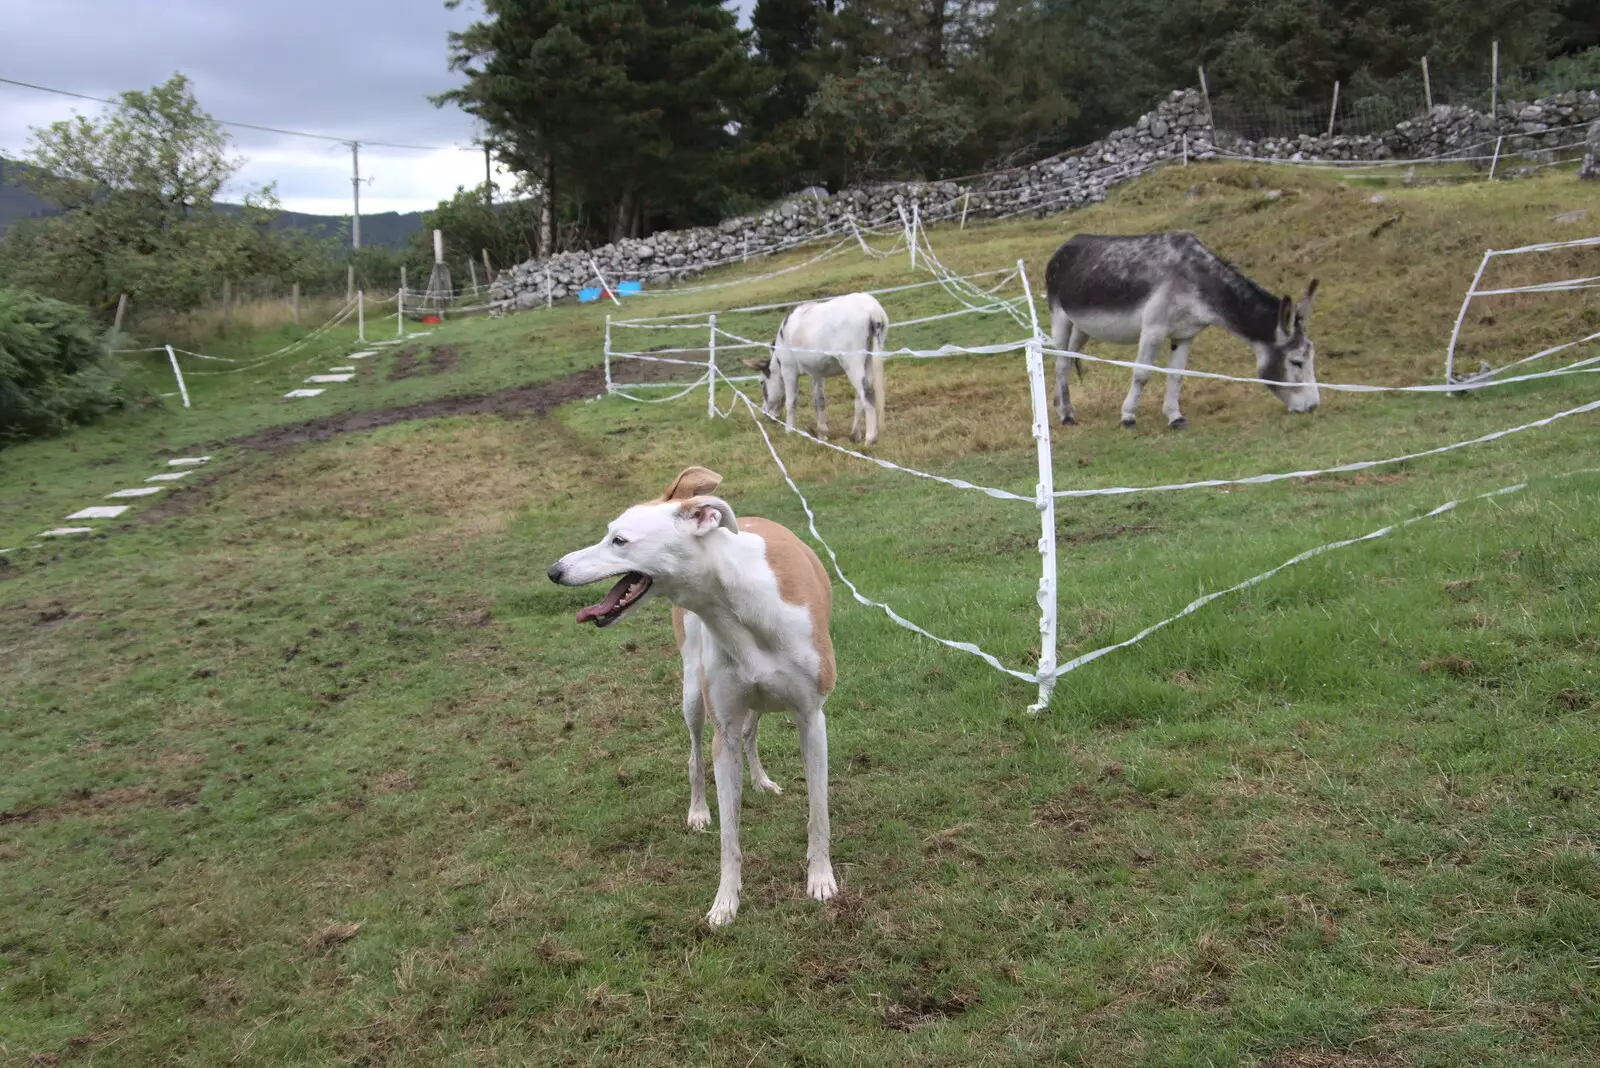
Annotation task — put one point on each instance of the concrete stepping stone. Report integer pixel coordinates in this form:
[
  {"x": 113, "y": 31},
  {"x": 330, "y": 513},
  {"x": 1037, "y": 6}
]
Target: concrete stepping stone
[
  {"x": 360, "y": 355},
  {"x": 170, "y": 476},
  {"x": 142, "y": 491},
  {"x": 330, "y": 378},
  {"x": 62, "y": 532},
  {"x": 303, "y": 393},
  {"x": 337, "y": 369},
  {"x": 187, "y": 461},
  {"x": 100, "y": 511}
]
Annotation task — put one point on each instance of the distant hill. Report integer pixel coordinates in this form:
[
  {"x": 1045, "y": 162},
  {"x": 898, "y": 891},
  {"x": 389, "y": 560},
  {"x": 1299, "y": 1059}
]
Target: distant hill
[{"x": 387, "y": 229}]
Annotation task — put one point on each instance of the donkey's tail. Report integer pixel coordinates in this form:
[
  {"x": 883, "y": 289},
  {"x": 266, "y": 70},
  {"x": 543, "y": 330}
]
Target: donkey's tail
[{"x": 877, "y": 331}]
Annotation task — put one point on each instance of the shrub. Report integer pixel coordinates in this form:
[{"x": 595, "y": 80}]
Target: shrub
[{"x": 53, "y": 370}]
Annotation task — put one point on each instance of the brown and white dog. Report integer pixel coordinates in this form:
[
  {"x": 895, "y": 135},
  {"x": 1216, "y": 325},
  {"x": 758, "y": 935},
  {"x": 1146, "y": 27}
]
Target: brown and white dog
[{"x": 750, "y": 611}]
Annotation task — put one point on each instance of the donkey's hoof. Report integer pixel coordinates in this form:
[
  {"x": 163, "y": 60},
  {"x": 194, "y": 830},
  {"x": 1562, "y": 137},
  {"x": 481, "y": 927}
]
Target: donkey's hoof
[
  {"x": 1069, "y": 420},
  {"x": 1179, "y": 423},
  {"x": 1129, "y": 424}
]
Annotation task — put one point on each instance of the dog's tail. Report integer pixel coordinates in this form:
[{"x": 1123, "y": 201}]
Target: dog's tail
[{"x": 877, "y": 331}]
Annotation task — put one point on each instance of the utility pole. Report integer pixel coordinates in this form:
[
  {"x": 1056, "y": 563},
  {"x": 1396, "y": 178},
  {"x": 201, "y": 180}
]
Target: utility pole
[
  {"x": 488, "y": 175},
  {"x": 355, "y": 185}
]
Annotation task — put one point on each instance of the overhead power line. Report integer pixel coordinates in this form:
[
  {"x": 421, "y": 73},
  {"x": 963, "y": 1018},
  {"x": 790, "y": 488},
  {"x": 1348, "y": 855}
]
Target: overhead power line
[{"x": 247, "y": 125}]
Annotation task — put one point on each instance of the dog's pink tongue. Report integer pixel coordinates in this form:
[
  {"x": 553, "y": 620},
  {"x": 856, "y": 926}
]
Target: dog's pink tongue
[{"x": 598, "y": 611}]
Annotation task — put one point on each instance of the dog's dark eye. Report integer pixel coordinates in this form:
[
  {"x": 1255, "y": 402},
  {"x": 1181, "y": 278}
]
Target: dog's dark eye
[{"x": 618, "y": 539}]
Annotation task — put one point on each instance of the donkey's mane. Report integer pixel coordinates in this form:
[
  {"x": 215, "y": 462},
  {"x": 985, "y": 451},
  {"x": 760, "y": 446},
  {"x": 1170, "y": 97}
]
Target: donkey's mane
[{"x": 1251, "y": 311}]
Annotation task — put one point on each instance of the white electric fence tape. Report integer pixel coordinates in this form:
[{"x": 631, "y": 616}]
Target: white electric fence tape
[
  {"x": 1548, "y": 287},
  {"x": 811, "y": 522},
  {"x": 956, "y": 483},
  {"x": 1255, "y": 580},
  {"x": 1360, "y": 465}
]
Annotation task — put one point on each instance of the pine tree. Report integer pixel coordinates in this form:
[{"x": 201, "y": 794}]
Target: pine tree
[{"x": 631, "y": 103}]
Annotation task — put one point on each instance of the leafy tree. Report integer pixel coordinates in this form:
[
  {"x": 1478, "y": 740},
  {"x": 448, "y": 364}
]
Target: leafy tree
[
  {"x": 137, "y": 195},
  {"x": 53, "y": 370},
  {"x": 886, "y": 124}
]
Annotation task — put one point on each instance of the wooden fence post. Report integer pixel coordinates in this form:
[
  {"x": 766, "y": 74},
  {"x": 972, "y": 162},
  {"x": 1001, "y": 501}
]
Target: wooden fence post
[
  {"x": 122, "y": 307},
  {"x": 294, "y": 303}
]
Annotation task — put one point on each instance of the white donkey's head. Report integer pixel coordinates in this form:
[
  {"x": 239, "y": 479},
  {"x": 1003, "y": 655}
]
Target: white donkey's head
[
  {"x": 771, "y": 387},
  {"x": 1290, "y": 357},
  {"x": 649, "y": 548}
]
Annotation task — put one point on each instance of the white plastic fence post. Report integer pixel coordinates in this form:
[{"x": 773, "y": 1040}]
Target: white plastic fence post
[
  {"x": 1185, "y": 150},
  {"x": 608, "y": 354},
  {"x": 604, "y": 287},
  {"x": 549, "y": 288},
  {"x": 916, "y": 226},
  {"x": 905, "y": 229},
  {"x": 1461, "y": 317},
  {"x": 746, "y": 256},
  {"x": 711, "y": 371},
  {"x": 1045, "y": 501},
  {"x": 182, "y": 389},
  {"x": 400, "y": 312},
  {"x": 854, "y": 229},
  {"x": 1495, "y": 163},
  {"x": 966, "y": 199},
  {"x": 361, "y": 316}
]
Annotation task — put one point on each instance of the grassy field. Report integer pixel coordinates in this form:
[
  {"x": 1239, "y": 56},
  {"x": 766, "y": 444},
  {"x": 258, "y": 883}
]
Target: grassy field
[{"x": 309, "y": 764}]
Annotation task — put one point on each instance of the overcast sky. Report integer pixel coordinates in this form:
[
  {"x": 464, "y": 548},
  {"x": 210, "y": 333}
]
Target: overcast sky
[{"x": 358, "y": 69}]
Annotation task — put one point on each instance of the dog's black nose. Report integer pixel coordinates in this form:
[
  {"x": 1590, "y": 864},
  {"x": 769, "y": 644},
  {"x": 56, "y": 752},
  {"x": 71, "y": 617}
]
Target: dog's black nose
[{"x": 554, "y": 572}]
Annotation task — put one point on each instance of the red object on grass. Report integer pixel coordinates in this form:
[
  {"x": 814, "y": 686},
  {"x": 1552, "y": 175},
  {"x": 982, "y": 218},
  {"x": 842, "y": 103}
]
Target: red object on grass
[{"x": 430, "y": 318}]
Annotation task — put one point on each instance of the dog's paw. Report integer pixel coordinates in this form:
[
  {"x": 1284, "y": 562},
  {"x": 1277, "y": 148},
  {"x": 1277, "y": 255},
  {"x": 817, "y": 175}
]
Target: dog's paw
[
  {"x": 699, "y": 818},
  {"x": 723, "y": 910},
  {"x": 820, "y": 884},
  {"x": 764, "y": 783}
]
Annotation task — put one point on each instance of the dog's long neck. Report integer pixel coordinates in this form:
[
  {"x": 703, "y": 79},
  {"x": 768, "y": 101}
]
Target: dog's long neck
[{"x": 724, "y": 591}]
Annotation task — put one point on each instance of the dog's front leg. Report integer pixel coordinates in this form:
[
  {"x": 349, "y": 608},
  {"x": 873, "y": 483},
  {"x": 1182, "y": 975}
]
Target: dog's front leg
[
  {"x": 694, "y": 719},
  {"x": 813, "y": 728},
  {"x": 728, "y": 767}
]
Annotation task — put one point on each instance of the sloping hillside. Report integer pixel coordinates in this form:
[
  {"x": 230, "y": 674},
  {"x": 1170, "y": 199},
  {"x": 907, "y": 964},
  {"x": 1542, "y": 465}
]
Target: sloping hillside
[{"x": 387, "y": 229}]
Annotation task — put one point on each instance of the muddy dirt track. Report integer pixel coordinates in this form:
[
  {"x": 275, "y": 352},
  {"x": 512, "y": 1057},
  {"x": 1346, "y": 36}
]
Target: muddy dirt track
[{"x": 534, "y": 399}]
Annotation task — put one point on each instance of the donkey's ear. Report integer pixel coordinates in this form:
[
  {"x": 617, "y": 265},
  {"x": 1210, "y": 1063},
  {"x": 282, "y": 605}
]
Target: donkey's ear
[
  {"x": 757, "y": 365},
  {"x": 1286, "y": 316},
  {"x": 1302, "y": 310},
  {"x": 692, "y": 482},
  {"x": 705, "y": 514}
]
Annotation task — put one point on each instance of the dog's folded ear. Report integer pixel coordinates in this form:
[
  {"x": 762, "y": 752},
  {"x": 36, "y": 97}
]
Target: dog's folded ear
[
  {"x": 705, "y": 514},
  {"x": 692, "y": 482}
]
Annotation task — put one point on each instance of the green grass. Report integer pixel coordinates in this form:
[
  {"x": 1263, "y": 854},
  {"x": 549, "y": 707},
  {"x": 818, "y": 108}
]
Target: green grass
[{"x": 1345, "y": 818}]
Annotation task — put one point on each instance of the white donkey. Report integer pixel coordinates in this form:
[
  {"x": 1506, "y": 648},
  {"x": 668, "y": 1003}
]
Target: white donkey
[
  {"x": 824, "y": 338},
  {"x": 1152, "y": 288}
]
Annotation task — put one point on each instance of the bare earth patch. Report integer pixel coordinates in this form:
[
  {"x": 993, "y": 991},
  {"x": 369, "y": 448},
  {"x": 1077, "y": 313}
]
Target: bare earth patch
[
  {"x": 534, "y": 399},
  {"x": 440, "y": 358}
]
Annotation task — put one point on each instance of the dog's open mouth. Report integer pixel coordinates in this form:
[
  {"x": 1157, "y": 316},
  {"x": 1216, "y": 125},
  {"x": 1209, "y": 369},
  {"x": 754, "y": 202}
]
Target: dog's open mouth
[{"x": 623, "y": 596}]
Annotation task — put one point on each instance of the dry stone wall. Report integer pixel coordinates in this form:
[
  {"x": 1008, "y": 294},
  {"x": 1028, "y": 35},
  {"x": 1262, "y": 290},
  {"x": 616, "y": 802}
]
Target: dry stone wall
[{"x": 1179, "y": 128}]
